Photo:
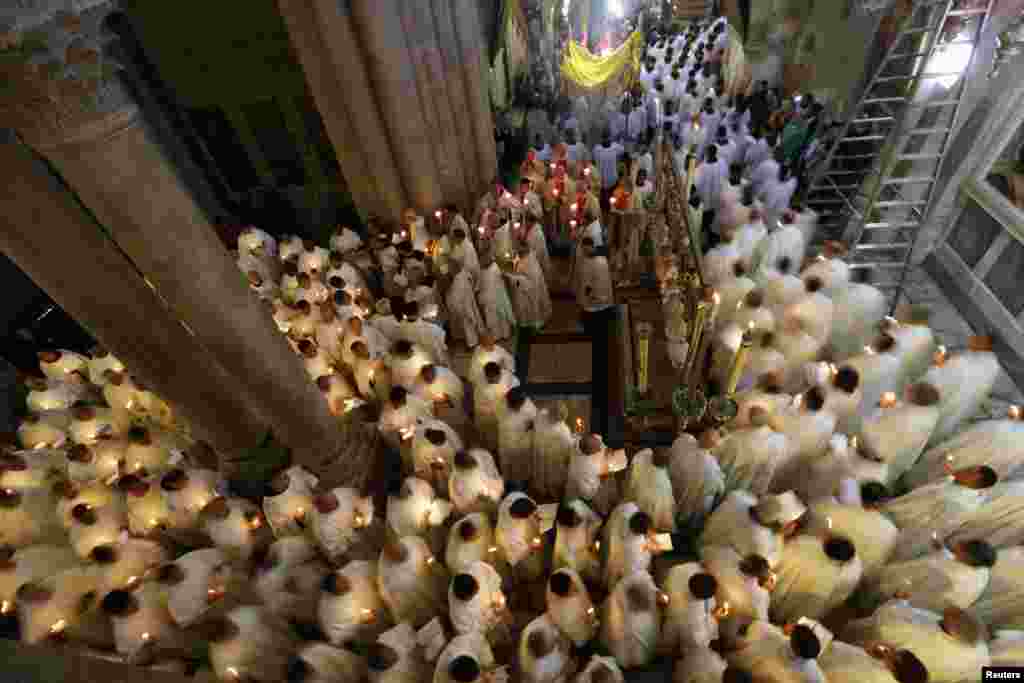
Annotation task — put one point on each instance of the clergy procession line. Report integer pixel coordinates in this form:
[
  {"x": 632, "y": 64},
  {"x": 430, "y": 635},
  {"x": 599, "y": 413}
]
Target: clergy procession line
[{"x": 853, "y": 495}]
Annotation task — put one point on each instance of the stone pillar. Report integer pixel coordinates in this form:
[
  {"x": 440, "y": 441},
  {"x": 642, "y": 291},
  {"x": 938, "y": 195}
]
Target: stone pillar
[
  {"x": 328, "y": 50},
  {"x": 469, "y": 34},
  {"x": 432, "y": 86},
  {"x": 75, "y": 112},
  {"x": 455, "y": 79},
  {"x": 393, "y": 75},
  {"x": 50, "y": 237}
]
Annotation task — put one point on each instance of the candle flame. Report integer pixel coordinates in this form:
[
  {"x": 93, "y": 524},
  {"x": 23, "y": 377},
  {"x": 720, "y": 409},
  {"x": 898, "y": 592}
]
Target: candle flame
[
  {"x": 500, "y": 602},
  {"x": 255, "y": 522},
  {"x": 888, "y": 399},
  {"x": 664, "y": 599},
  {"x": 507, "y": 195},
  {"x": 597, "y": 546},
  {"x": 481, "y": 229},
  {"x": 146, "y": 636},
  {"x": 58, "y": 626},
  {"x": 722, "y": 611},
  {"x": 6, "y": 607},
  {"x": 406, "y": 433},
  {"x": 579, "y": 425},
  {"x": 575, "y": 207},
  {"x": 591, "y": 612},
  {"x": 358, "y": 520},
  {"x": 716, "y": 299},
  {"x": 556, "y": 192},
  {"x": 132, "y": 582},
  {"x": 828, "y": 520},
  {"x": 233, "y": 672},
  {"x": 367, "y": 615},
  {"x": 1014, "y": 413},
  {"x": 586, "y": 171},
  {"x": 537, "y": 543},
  {"x": 214, "y": 594},
  {"x": 554, "y": 166},
  {"x": 573, "y": 223},
  {"x": 154, "y": 523},
  {"x": 940, "y": 355},
  {"x": 614, "y": 201},
  {"x": 438, "y": 215},
  {"x": 869, "y": 351},
  {"x": 430, "y": 560}
]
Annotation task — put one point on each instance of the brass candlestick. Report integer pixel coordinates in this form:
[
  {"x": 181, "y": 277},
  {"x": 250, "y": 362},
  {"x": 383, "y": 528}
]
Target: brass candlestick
[
  {"x": 643, "y": 333},
  {"x": 740, "y": 361}
]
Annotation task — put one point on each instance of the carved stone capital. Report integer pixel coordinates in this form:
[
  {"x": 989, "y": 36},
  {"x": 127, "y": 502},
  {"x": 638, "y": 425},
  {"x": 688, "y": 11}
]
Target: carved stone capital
[{"x": 57, "y": 80}]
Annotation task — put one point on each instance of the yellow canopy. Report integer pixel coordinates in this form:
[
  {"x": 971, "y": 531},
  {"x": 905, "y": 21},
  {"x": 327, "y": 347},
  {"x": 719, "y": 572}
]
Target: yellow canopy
[{"x": 585, "y": 73}]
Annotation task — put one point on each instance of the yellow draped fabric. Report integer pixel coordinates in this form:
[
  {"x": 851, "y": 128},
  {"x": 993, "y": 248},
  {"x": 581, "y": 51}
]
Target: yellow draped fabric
[{"x": 585, "y": 73}]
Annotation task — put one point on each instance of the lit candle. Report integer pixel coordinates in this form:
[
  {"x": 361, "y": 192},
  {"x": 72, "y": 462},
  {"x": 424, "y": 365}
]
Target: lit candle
[
  {"x": 739, "y": 362},
  {"x": 586, "y": 171},
  {"x": 643, "y": 331},
  {"x": 575, "y": 207},
  {"x": 579, "y": 425},
  {"x": 1014, "y": 413},
  {"x": 613, "y": 202},
  {"x": 555, "y": 192},
  {"x": 437, "y": 214}
]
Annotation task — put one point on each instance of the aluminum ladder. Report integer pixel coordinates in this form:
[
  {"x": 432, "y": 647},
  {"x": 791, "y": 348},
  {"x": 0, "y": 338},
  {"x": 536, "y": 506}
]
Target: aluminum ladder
[{"x": 875, "y": 186}]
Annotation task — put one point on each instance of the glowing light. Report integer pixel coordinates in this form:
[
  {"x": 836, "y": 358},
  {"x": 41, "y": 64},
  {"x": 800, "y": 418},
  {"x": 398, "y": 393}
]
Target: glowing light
[
  {"x": 359, "y": 521},
  {"x": 58, "y": 626},
  {"x": 614, "y": 201},
  {"x": 507, "y": 195},
  {"x": 406, "y": 433},
  {"x": 255, "y": 522},
  {"x": 500, "y": 602},
  {"x": 579, "y": 425},
  {"x": 575, "y": 207},
  {"x": 951, "y": 59},
  {"x": 493, "y": 549},
  {"x": 664, "y": 599},
  {"x": 537, "y": 543},
  {"x": 437, "y": 214},
  {"x": 146, "y": 636},
  {"x": 828, "y": 520},
  {"x": 132, "y": 582},
  {"x": 722, "y": 611},
  {"x": 6, "y": 607},
  {"x": 214, "y": 594},
  {"x": 1014, "y": 413},
  {"x": 430, "y": 560},
  {"x": 233, "y": 672},
  {"x": 888, "y": 399},
  {"x": 573, "y": 223},
  {"x": 597, "y": 546},
  {"x": 367, "y": 614}
]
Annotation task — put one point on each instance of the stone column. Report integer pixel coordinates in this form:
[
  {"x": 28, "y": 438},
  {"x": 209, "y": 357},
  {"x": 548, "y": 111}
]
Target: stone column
[
  {"x": 393, "y": 75},
  {"x": 455, "y": 80},
  {"x": 74, "y": 111},
  {"x": 64, "y": 251},
  {"x": 402, "y": 89},
  {"x": 432, "y": 86},
  {"x": 328, "y": 50},
  {"x": 469, "y": 34}
]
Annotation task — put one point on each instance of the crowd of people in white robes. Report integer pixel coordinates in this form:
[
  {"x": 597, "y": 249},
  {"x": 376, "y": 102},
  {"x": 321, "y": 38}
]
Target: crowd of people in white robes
[{"x": 854, "y": 524}]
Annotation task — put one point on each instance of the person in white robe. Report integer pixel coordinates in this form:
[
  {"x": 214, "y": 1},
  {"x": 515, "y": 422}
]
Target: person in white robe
[
  {"x": 495, "y": 304},
  {"x": 956, "y": 574},
  {"x": 872, "y": 533},
  {"x": 516, "y": 415},
  {"x": 489, "y": 351},
  {"x": 758, "y": 150},
  {"x": 545, "y": 653},
  {"x": 466, "y": 659},
  {"x": 937, "y": 509},
  {"x": 478, "y": 605},
  {"x": 650, "y": 485},
  {"x": 744, "y": 586},
  {"x": 519, "y": 535},
  {"x": 399, "y": 416},
  {"x": 475, "y": 484},
  {"x": 816, "y": 574},
  {"x": 697, "y": 479},
  {"x": 950, "y": 645},
  {"x": 754, "y": 527},
  {"x": 998, "y": 444},
  {"x": 1000, "y": 521},
  {"x": 577, "y": 540},
  {"x": 631, "y": 620},
  {"x": 1001, "y": 606},
  {"x": 530, "y": 289},
  {"x": 777, "y": 194},
  {"x": 707, "y": 666},
  {"x": 459, "y": 248},
  {"x": 691, "y": 622},
  {"x": 464, "y": 315},
  {"x": 590, "y": 473},
  {"x": 488, "y": 398},
  {"x": 845, "y": 663},
  {"x": 787, "y": 655},
  {"x": 553, "y": 445},
  {"x": 630, "y": 541},
  {"x": 539, "y": 246}
]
